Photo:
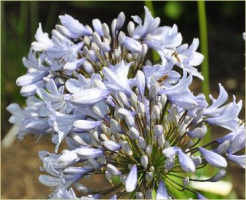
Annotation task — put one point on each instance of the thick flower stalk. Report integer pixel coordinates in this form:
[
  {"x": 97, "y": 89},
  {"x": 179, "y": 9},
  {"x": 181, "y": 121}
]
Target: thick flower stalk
[{"x": 134, "y": 121}]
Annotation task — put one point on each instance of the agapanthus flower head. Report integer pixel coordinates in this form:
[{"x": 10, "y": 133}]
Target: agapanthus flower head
[{"x": 121, "y": 115}]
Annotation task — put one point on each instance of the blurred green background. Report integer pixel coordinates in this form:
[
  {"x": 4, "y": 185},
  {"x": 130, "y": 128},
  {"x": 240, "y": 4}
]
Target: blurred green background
[{"x": 225, "y": 21}]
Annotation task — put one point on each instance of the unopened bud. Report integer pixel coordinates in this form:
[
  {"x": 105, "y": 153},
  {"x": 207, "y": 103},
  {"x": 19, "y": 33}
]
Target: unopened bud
[
  {"x": 144, "y": 161},
  {"x": 105, "y": 30},
  {"x": 149, "y": 176},
  {"x": 114, "y": 126},
  {"x": 169, "y": 163},
  {"x": 153, "y": 92},
  {"x": 161, "y": 141},
  {"x": 149, "y": 150},
  {"x": 148, "y": 194},
  {"x": 103, "y": 137},
  {"x": 130, "y": 28},
  {"x": 139, "y": 195},
  {"x": 186, "y": 181},
  {"x": 134, "y": 133},
  {"x": 126, "y": 147},
  {"x": 113, "y": 170},
  {"x": 152, "y": 169},
  {"x": 223, "y": 147},
  {"x": 182, "y": 129},
  {"x": 158, "y": 129},
  {"x": 134, "y": 99},
  {"x": 144, "y": 50},
  {"x": 141, "y": 142},
  {"x": 156, "y": 112},
  {"x": 163, "y": 99},
  {"x": 197, "y": 160},
  {"x": 141, "y": 108},
  {"x": 81, "y": 188},
  {"x": 108, "y": 176},
  {"x": 97, "y": 111},
  {"x": 88, "y": 67},
  {"x": 130, "y": 121},
  {"x": 92, "y": 55},
  {"x": 218, "y": 176},
  {"x": 123, "y": 99},
  {"x": 94, "y": 163},
  {"x": 120, "y": 20}
]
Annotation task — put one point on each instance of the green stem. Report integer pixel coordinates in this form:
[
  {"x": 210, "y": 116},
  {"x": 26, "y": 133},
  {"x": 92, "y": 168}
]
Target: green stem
[
  {"x": 204, "y": 51},
  {"x": 205, "y": 66},
  {"x": 204, "y": 46},
  {"x": 34, "y": 16}
]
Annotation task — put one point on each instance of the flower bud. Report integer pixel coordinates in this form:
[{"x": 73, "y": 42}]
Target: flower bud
[
  {"x": 113, "y": 170},
  {"x": 148, "y": 194},
  {"x": 139, "y": 195},
  {"x": 134, "y": 99},
  {"x": 141, "y": 108},
  {"x": 81, "y": 188},
  {"x": 144, "y": 50},
  {"x": 144, "y": 161},
  {"x": 141, "y": 142},
  {"x": 120, "y": 20},
  {"x": 158, "y": 129},
  {"x": 163, "y": 99},
  {"x": 108, "y": 176},
  {"x": 115, "y": 126},
  {"x": 149, "y": 150},
  {"x": 223, "y": 147},
  {"x": 92, "y": 55},
  {"x": 123, "y": 99},
  {"x": 153, "y": 92},
  {"x": 97, "y": 111},
  {"x": 149, "y": 176},
  {"x": 126, "y": 147},
  {"x": 156, "y": 112},
  {"x": 218, "y": 176},
  {"x": 161, "y": 141},
  {"x": 130, "y": 28},
  {"x": 133, "y": 132},
  {"x": 88, "y": 67},
  {"x": 94, "y": 163},
  {"x": 106, "y": 31},
  {"x": 186, "y": 181}
]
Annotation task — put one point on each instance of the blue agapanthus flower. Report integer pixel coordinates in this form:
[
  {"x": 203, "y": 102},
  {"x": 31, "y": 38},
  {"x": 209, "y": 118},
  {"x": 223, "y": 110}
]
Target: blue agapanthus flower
[{"x": 122, "y": 115}]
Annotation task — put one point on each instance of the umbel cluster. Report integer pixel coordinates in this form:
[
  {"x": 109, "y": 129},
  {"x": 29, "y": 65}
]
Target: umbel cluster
[{"x": 128, "y": 118}]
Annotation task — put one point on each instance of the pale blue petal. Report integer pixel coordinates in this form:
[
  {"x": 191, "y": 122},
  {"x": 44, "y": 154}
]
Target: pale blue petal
[
  {"x": 140, "y": 81},
  {"x": 131, "y": 180},
  {"x": 239, "y": 159},
  {"x": 213, "y": 158},
  {"x": 89, "y": 96},
  {"x": 97, "y": 25},
  {"x": 30, "y": 90},
  {"x": 186, "y": 162},
  {"x": 30, "y": 78},
  {"x": 74, "y": 26},
  {"x": 132, "y": 45},
  {"x": 162, "y": 191},
  {"x": 86, "y": 124},
  {"x": 112, "y": 146},
  {"x": 170, "y": 151},
  {"x": 87, "y": 153}
]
